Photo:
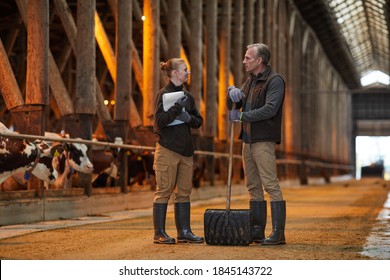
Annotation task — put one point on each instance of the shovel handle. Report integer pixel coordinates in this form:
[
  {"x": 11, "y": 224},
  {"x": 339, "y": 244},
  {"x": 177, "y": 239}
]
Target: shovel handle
[{"x": 230, "y": 167}]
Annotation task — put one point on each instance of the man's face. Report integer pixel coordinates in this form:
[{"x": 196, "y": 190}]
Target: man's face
[
  {"x": 251, "y": 62},
  {"x": 182, "y": 73}
]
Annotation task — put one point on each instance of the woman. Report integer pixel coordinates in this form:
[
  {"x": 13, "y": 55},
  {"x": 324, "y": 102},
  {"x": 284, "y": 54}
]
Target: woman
[{"x": 173, "y": 161}]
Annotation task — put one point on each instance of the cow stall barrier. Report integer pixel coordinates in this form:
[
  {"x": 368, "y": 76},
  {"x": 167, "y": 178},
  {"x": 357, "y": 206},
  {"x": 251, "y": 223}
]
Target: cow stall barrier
[
  {"x": 301, "y": 163},
  {"x": 310, "y": 163},
  {"x": 28, "y": 206}
]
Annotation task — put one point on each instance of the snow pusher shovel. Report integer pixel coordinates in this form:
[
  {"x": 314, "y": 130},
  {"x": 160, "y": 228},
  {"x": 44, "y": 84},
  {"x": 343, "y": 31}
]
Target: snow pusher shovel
[{"x": 227, "y": 226}]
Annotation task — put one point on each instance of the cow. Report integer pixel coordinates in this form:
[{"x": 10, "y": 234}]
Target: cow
[
  {"x": 140, "y": 167},
  {"x": 71, "y": 157},
  {"x": 199, "y": 172},
  {"x": 16, "y": 182},
  {"x": 105, "y": 167},
  {"x": 20, "y": 155}
]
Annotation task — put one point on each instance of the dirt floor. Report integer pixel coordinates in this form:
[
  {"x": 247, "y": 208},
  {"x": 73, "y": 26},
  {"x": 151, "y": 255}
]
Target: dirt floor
[{"x": 326, "y": 222}]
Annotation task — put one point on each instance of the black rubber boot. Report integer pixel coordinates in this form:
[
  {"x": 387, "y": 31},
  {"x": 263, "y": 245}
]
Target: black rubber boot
[
  {"x": 258, "y": 210},
  {"x": 278, "y": 212},
  {"x": 159, "y": 216},
  {"x": 182, "y": 221}
]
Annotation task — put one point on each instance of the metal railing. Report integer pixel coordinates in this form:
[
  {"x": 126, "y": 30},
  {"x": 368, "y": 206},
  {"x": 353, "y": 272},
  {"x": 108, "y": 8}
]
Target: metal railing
[{"x": 107, "y": 145}]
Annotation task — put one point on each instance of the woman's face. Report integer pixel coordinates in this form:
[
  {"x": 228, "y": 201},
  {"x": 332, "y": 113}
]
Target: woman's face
[{"x": 182, "y": 73}]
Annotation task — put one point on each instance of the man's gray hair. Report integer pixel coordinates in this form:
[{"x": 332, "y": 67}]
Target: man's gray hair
[{"x": 262, "y": 51}]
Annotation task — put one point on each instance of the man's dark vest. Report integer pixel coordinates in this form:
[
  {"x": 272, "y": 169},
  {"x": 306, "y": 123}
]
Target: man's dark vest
[{"x": 266, "y": 130}]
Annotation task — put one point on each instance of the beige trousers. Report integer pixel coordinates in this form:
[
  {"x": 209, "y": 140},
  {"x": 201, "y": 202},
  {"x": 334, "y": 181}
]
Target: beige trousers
[
  {"x": 173, "y": 175},
  {"x": 259, "y": 162}
]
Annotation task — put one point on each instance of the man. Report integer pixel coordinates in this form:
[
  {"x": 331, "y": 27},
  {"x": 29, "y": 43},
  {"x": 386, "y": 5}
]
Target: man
[{"x": 258, "y": 106}]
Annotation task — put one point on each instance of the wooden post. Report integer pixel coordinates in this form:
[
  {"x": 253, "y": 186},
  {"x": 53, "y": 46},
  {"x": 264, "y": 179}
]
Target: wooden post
[
  {"x": 8, "y": 85},
  {"x": 195, "y": 49},
  {"x": 237, "y": 70},
  {"x": 259, "y": 25},
  {"x": 224, "y": 69},
  {"x": 123, "y": 80},
  {"x": 70, "y": 28},
  {"x": 269, "y": 12},
  {"x": 174, "y": 28},
  {"x": 37, "y": 89},
  {"x": 55, "y": 80},
  {"x": 291, "y": 124},
  {"x": 63, "y": 11},
  {"x": 237, "y": 42},
  {"x": 249, "y": 22},
  {"x": 109, "y": 58},
  {"x": 151, "y": 59},
  {"x": 223, "y": 83},
  {"x": 85, "y": 102},
  {"x": 58, "y": 88},
  {"x": 211, "y": 85},
  {"x": 135, "y": 62},
  {"x": 85, "y": 70},
  {"x": 31, "y": 118},
  {"x": 123, "y": 61}
]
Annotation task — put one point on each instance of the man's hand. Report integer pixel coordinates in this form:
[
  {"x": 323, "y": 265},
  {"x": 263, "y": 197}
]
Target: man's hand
[
  {"x": 235, "y": 94},
  {"x": 235, "y": 115},
  {"x": 182, "y": 101},
  {"x": 184, "y": 116}
]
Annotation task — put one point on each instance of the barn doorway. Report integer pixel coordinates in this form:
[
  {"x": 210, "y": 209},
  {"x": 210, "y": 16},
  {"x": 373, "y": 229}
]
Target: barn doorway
[{"x": 372, "y": 154}]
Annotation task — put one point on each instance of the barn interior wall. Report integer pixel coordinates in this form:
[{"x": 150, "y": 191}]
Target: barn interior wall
[{"x": 317, "y": 115}]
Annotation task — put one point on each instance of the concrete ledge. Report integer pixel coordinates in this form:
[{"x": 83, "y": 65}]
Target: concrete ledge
[
  {"x": 28, "y": 210},
  {"x": 67, "y": 204}
]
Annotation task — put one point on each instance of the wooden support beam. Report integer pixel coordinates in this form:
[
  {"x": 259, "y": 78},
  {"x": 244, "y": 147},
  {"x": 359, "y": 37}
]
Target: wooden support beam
[
  {"x": 137, "y": 67},
  {"x": 55, "y": 80},
  {"x": 186, "y": 31},
  {"x": 37, "y": 85},
  {"x": 8, "y": 85},
  {"x": 151, "y": 58},
  {"x": 163, "y": 41},
  {"x": 123, "y": 60},
  {"x": 58, "y": 89},
  {"x": 259, "y": 22},
  {"x": 224, "y": 67},
  {"x": 210, "y": 117},
  {"x": 85, "y": 101},
  {"x": 64, "y": 57},
  {"x": 86, "y": 57},
  {"x": 105, "y": 46},
  {"x": 70, "y": 28},
  {"x": 65, "y": 14},
  {"x": 71, "y": 32},
  {"x": 135, "y": 59},
  {"x": 123, "y": 81},
  {"x": 249, "y": 21},
  {"x": 33, "y": 119},
  {"x": 211, "y": 66},
  {"x": 237, "y": 43},
  {"x": 195, "y": 48},
  {"x": 174, "y": 28},
  {"x": 109, "y": 57}
]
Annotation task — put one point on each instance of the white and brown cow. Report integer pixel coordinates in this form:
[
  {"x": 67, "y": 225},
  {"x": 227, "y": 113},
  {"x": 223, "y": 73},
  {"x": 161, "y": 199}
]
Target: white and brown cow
[
  {"x": 105, "y": 167},
  {"x": 21, "y": 155},
  {"x": 71, "y": 157}
]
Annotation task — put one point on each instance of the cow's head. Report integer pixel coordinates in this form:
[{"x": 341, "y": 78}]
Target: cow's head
[
  {"x": 75, "y": 155},
  {"x": 43, "y": 167}
]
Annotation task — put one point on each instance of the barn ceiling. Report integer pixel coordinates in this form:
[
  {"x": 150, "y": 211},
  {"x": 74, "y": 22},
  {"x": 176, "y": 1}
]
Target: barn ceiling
[{"x": 354, "y": 34}]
